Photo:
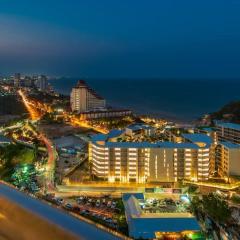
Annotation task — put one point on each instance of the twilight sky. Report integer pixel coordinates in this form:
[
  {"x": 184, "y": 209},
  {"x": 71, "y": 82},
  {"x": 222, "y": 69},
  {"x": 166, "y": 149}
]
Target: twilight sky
[{"x": 121, "y": 38}]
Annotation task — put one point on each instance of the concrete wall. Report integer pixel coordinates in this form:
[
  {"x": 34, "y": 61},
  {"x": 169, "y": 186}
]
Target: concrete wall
[
  {"x": 234, "y": 162},
  {"x": 18, "y": 223},
  {"x": 161, "y": 165}
]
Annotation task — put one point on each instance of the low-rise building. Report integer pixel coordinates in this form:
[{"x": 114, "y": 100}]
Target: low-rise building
[
  {"x": 105, "y": 113},
  {"x": 144, "y": 225}
]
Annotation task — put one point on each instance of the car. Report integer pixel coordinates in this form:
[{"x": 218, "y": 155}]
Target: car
[
  {"x": 49, "y": 196},
  {"x": 79, "y": 198},
  {"x": 76, "y": 209},
  {"x": 109, "y": 204},
  {"x": 68, "y": 206},
  {"x": 84, "y": 212},
  {"x": 108, "y": 220},
  {"x": 94, "y": 214},
  {"x": 60, "y": 200},
  {"x": 98, "y": 204}
]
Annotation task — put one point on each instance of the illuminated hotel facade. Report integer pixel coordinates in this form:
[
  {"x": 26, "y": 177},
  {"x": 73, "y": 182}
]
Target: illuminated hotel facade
[
  {"x": 83, "y": 98},
  {"x": 227, "y": 159},
  {"x": 142, "y": 162}
]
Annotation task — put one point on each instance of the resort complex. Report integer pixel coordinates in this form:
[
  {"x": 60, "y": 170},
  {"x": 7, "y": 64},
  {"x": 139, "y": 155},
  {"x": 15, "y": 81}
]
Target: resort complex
[
  {"x": 83, "y": 98},
  {"x": 120, "y": 120},
  {"x": 132, "y": 176}
]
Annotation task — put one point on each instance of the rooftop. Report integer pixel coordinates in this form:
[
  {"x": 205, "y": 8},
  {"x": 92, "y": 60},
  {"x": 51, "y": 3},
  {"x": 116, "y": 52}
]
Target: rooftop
[
  {"x": 150, "y": 145},
  {"x": 145, "y": 225},
  {"x": 198, "y": 138},
  {"x": 229, "y": 125},
  {"x": 83, "y": 84},
  {"x": 116, "y": 133},
  {"x": 207, "y": 129},
  {"x": 229, "y": 144}
]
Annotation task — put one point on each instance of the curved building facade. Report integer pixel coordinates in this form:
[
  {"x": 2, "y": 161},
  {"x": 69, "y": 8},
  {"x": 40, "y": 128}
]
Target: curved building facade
[{"x": 119, "y": 161}]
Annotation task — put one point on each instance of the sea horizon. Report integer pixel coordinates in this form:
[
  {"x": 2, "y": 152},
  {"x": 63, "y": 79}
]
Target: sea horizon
[{"x": 182, "y": 101}]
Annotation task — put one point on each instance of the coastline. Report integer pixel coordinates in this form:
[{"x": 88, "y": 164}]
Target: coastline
[{"x": 178, "y": 101}]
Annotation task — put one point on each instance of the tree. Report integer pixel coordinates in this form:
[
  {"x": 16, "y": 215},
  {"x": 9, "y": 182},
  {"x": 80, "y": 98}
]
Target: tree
[{"x": 216, "y": 208}]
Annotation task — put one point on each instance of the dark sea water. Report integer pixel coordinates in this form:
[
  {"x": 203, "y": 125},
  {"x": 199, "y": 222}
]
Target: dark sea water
[{"x": 178, "y": 100}]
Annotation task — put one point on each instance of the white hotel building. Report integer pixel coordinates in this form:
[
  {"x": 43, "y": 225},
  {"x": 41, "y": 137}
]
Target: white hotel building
[
  {"x": 83, "y": 98},
  {"x": 142, "y": 162}
]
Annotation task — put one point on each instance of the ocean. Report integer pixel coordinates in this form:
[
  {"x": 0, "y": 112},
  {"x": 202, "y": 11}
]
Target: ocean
[{"x": 182, "y": 101}]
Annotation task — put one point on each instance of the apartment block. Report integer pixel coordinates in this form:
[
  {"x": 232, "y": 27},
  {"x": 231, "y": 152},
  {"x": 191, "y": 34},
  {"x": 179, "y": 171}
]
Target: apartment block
[
  {"x": 228, "y": 159},
  {"x": 141, "y": 162},
  {"x": 228, "y": 132}
]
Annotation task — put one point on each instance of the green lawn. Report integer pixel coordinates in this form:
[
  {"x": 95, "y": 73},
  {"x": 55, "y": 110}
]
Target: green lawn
[
  {"x": 13, "y": 155},
  {"x": 26, "y": 155}
]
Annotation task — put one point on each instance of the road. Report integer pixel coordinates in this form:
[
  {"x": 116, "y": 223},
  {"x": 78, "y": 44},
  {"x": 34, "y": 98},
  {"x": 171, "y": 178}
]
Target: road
[
  {"x": 34, "y": 114},
  {"x": 83, "y": 123},
  {"x": 52, "y": 155},
  {"x": 78, "y": 227},
  {"x": 17, "y": 125},
  {"x": 88, "y": 189},
  {"x": 50, "y": 165},
  {"x": 215, "y": 185}
]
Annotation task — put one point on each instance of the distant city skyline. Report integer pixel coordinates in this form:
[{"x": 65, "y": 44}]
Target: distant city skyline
[{"x": 127, "y": 39}]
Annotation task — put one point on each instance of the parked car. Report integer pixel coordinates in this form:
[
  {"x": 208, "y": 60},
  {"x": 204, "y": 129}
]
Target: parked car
[{"x": 68, "y": 206}]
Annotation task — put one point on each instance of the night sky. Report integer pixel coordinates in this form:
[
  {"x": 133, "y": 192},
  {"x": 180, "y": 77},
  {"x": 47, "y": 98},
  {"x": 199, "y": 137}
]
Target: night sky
[{"x": 121, "y": 39}]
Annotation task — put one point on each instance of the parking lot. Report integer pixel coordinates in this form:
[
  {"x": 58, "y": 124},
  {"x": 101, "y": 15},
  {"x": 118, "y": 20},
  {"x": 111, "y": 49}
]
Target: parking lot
[{"x": 104, "y": 210}]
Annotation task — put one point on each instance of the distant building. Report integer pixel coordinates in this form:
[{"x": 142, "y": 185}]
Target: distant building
[
  {"x": 17, "y": 79},
  {"x": 83, "y": 98},
  {"x": 228, "y": 159},
  {"x": 28, "y": 81},
  {"x": 228, "y": 132},
  {"x": 114, "y": 159},
  {"x": 173, "y": 135},
  {"x": 105, "y": 113},
  {"x": 41, "y": 83},
  {"x": 140, "y": 129}
]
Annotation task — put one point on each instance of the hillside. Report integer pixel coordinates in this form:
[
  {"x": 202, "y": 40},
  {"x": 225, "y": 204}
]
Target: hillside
[
  {"x": 229, "y": 112},
  {"x": 11, "y": 105}
]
